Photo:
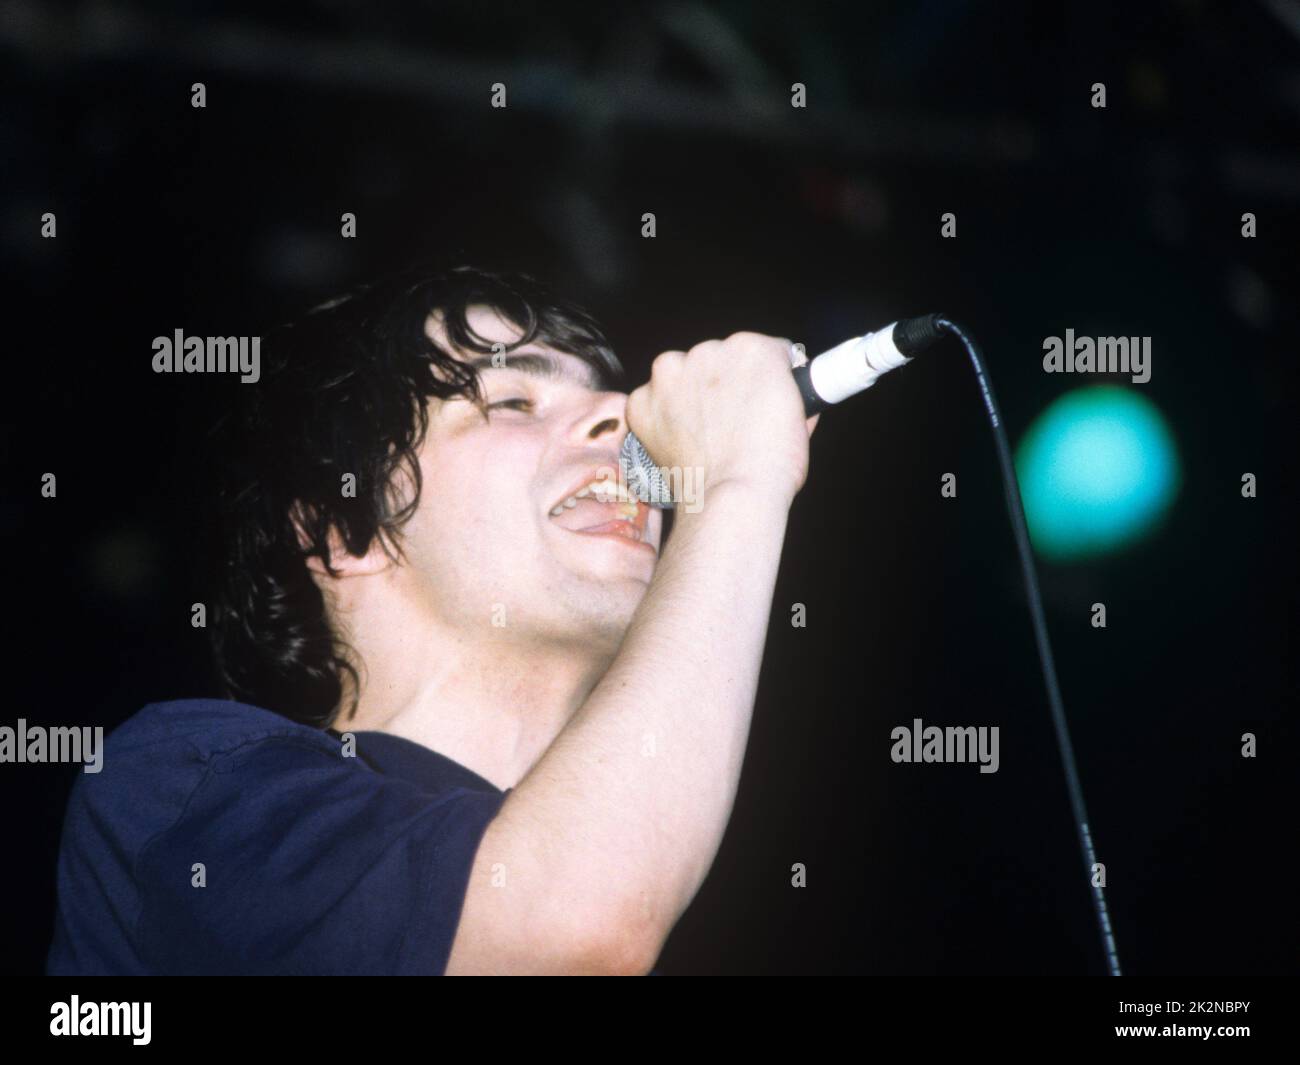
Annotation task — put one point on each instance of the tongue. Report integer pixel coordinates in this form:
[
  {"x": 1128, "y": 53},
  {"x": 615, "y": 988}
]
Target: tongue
[{"x": 588, "y": 514}]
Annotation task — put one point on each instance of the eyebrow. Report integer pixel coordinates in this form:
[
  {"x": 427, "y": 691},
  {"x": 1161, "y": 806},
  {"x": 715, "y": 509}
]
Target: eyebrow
[{"x": 539, "y": 364}]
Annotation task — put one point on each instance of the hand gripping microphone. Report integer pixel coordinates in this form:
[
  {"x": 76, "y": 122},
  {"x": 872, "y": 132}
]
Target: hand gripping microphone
[{"x": 834, "y": 375}]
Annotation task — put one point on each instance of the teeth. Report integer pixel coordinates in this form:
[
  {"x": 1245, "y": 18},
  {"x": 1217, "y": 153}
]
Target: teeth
[
  {"x": 609, "y": 491},
  {"x": 602, "y": 492}
]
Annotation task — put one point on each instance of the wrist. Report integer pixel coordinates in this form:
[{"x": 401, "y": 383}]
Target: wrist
[{"x": 757, "y": 502}]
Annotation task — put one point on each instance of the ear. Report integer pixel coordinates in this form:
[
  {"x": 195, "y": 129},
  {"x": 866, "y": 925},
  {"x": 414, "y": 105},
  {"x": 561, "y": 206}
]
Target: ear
[{"x": 345, "y": 563}]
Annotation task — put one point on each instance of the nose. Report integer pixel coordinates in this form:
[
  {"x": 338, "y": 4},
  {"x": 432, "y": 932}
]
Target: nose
[{"x": 606, "y": 417}]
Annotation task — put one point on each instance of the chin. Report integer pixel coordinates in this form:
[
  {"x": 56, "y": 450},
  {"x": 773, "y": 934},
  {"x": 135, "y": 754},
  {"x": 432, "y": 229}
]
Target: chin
[{"x": 602, "y": 615}]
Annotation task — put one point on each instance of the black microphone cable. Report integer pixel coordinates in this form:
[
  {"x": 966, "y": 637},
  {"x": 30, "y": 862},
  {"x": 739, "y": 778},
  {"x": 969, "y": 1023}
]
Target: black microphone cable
[{"x": 934, "y": 325}]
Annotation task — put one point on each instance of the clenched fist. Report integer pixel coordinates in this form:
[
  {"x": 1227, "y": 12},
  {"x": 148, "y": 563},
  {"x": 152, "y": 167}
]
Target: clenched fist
[{"x": 731, "y": 409}]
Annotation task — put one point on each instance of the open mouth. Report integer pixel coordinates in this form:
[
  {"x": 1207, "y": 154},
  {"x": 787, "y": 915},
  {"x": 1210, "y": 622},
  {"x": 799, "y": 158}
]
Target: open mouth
[{"x": 601, "y": 506}]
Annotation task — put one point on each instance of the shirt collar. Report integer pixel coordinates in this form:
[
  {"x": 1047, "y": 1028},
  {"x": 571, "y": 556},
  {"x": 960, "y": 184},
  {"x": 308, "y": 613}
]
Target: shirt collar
[{"x": 397, "y": 756}]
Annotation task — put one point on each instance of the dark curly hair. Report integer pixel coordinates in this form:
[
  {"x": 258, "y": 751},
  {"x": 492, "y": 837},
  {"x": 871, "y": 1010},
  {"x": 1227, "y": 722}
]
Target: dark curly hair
[{"x": 343, "y": 390}]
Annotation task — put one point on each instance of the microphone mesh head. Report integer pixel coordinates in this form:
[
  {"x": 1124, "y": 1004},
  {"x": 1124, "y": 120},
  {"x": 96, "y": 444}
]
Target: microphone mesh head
[{"x": 644, "y": 479}]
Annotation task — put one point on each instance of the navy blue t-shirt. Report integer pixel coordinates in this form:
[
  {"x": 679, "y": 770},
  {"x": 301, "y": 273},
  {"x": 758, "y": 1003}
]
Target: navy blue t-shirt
[{"x": 312, "y": 862}]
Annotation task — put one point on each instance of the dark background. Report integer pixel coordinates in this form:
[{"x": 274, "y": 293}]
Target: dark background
[{"x": 816, "y": 224}]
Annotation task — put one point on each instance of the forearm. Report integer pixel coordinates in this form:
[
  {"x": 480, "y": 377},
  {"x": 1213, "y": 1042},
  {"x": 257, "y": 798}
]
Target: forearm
[{"x": 634, "y": 794}]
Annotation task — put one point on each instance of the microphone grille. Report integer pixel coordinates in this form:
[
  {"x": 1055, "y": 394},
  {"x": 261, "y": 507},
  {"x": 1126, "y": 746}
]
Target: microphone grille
[{"x": 644, "y": 479}]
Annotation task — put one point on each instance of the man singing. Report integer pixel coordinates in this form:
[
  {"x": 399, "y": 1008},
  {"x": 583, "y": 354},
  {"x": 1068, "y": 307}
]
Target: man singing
[{"x": 482, "y": 717}]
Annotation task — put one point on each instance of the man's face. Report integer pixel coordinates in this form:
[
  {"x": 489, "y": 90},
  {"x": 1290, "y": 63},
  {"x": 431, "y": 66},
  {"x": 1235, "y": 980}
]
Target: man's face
[{"x": 509, "y": 534}]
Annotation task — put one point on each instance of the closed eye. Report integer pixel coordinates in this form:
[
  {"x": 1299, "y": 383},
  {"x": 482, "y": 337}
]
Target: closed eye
[{"x": 513, "y": 404}]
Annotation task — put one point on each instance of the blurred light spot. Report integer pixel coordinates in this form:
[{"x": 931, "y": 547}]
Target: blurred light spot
[{"x": 1098, "y": 469}]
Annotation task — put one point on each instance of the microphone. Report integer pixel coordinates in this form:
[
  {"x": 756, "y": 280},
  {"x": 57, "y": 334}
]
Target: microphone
[{"x": 834, "y": 375}]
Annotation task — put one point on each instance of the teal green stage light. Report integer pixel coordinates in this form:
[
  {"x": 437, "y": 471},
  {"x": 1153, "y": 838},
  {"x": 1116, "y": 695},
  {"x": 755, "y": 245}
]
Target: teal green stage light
[{"x": 1098, "y": 470}]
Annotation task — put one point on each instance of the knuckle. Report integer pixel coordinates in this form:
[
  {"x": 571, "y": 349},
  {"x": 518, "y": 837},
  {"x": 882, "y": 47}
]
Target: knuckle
[
  {"x": 762, "y": 346},
  {"x": 666, "y": 363}
]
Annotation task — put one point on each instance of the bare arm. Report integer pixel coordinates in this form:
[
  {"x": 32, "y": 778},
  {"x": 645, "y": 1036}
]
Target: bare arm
[{"x": 605, "y": 845}]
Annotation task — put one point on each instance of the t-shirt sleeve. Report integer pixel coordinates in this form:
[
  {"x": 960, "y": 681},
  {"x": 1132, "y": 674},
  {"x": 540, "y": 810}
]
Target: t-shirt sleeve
[{"x": 291, "y": 859}]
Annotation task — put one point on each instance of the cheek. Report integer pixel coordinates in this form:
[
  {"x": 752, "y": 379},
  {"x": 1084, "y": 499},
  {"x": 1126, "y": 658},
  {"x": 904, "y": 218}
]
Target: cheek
[{"x": 476, "y": 509}]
